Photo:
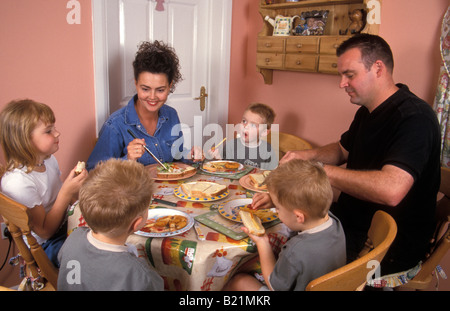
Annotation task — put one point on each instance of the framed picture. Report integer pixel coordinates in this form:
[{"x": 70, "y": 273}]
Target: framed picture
[{"x": 312, "y": 23}]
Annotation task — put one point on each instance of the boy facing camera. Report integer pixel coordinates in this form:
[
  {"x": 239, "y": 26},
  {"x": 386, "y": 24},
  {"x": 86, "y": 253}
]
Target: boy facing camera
[
  {"x": 302, "y": 194},
  {"x": 114, "y": 201},
  {"x": 249, "y": 148}
]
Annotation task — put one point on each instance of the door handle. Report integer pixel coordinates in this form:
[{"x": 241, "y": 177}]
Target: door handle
[{"x": 202, "y": 98}]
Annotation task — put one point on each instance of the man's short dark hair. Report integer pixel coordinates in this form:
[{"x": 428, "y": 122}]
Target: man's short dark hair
[{"x": 372, "y": 48}]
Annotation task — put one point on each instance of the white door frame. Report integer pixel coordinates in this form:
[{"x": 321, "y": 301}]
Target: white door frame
[{"x": 218, "y": 71}]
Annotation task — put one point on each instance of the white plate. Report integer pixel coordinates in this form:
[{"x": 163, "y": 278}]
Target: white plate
[
  {"x": 231, "y": 171},
  {"x": 178, "y": 192},
  {"x": 230, "y": 210},
  {"x": 161, "y": 212}
]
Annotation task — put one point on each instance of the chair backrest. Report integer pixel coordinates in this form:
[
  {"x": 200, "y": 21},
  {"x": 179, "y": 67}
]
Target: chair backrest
[
  {"x": 353, "y": 276},
  {"x": 288, "y": 142},
  {"x": 18, "y": 222},
  {"x": 440, "y": 243}
]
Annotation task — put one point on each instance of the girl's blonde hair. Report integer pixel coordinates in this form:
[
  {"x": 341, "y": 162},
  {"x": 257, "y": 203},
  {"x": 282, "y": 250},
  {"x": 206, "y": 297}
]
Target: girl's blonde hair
[
  {"x": 303, "y": 185},
  {"x": 115, "y": 192},
  {"x": 17, "y": 122}
]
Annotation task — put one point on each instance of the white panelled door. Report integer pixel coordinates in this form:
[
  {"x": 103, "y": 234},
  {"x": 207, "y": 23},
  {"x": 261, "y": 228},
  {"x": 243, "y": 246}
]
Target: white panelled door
[{"x": 199, "y": 30}]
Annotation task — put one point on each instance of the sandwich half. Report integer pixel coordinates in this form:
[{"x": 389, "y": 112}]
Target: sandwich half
[
  {"x": 203, "y": 189},
  {"x": 252, "y": 223}
]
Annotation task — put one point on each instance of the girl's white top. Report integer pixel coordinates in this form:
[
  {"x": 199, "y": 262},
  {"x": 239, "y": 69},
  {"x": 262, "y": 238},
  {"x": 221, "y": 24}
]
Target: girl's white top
[{"x": 35, "y": 188}]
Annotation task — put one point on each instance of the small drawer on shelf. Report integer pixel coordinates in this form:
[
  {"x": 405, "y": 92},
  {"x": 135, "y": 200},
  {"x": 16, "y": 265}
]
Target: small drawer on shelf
[
  {"x": 304, "y": 62},
  {"x": 328, "y": 45},
  {"x": 302, "y": 45},
  {"x": 328, "y": 64},
  {"x": 271, "y": 44},
  {"x": 269, "y": 60}
]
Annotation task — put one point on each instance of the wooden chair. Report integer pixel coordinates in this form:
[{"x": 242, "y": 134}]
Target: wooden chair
[
  {"x": 353, "y": 276},
  {"x": 37, "y": 263},
  {"x": 440, "y": 243},
  {"x": 5, "y": 289},
  {"x": 288, "y": 142}
]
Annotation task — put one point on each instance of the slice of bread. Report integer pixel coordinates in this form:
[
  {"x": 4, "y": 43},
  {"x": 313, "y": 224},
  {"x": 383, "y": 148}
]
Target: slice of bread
[
  {"x": 203, "y": 189},
  {"x": 215, "y": 190},
  {"x": 80, "y": 167},
  {"x": 186, "y": 189},
  {"x": 198, "y": 189},
  {"x": 252, "y": 223},
  {"x": 258, "y": 178}
]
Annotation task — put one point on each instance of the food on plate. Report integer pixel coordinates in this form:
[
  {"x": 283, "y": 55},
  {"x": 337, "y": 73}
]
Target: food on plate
[
  {"x": 231, "y": 165},
  {"x": 214, "y": 190},
  {"x": 252, "y": 223},
  {"x": 258, "y": 179},
  {"x": 165, "y": 224},
  {"x": 221, "y": 166},
  {"x": 173, "y": 170},
  {"x": 203, "y": 189},
  {"x": 80, "y": 167},
  {"x": 198, "y": 189}
]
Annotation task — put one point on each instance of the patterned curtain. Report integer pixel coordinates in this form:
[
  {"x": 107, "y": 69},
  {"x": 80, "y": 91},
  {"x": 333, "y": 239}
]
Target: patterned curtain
[{"x": 442, "y": 101}]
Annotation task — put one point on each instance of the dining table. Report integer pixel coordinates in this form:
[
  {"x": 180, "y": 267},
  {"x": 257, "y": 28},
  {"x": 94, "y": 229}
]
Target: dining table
[{"x": 212, "y": 248}]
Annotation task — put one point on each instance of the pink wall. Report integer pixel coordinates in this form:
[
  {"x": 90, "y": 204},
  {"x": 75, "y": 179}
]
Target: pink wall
[
  {"x": 311, "y": 105},
  {"x": 44, "y": 58}
]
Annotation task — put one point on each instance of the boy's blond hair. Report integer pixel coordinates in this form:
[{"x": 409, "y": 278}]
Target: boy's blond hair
[
  {"x": 114, "y": 194},
  {"x": 303, "y": 185},
  {"x": 17, "y": 121},
  {"x": 264, "y": 111}
]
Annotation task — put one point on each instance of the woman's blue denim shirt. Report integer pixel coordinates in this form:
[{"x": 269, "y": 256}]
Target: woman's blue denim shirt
[{"x": 114, "y": 138}]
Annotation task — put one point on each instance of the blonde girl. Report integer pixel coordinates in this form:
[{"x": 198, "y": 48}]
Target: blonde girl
[{"x": 31, "y": 176}]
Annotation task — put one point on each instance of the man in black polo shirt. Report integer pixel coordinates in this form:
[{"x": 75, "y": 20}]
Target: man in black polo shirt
[{"x": 391, "y": 152}]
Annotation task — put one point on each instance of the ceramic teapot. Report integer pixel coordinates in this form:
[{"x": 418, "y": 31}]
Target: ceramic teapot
[{"x": 282, "y": 25}]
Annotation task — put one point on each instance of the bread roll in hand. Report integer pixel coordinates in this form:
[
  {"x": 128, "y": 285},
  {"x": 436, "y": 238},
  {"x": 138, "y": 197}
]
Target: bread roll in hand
[
  {"x": 80, "y": 167},
  {"x": 252, "y": 223}
]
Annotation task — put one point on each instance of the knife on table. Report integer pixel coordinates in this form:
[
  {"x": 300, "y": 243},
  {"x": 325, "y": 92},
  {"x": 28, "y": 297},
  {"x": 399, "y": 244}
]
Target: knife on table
[
  {"x": 148, "y": 150},
  {"x": 198, "y": 230},
  {"x": 164, "y": 202}
]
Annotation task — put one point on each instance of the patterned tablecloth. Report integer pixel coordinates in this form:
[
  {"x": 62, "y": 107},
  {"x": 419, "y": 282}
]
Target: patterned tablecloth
[{"x": 186, "y": 262}]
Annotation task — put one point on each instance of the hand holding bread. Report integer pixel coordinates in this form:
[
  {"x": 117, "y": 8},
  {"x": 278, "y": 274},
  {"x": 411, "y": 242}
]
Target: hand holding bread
[
  {"x": 74, "y": 180},
  {"x": 252, "y": 223},
  {"x": 80, "y": 167},
  {"x": 197, "y": 154}
]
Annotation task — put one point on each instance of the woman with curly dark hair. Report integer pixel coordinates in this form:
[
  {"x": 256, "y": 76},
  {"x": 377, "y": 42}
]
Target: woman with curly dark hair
[{"x": 156, "y": 125}]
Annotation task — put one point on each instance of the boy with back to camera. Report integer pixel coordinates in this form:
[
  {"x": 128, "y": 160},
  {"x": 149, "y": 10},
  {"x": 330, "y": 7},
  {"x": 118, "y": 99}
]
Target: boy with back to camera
[
  {"x": 249, "y": 148},
  {"x": 302, "y": 195},
  {"x": 114, "y": 201}
]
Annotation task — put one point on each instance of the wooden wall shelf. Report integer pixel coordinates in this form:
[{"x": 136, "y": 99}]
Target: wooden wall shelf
[
  {"x": 306, "y": 3},
  {"x": 305, "y": 53}
]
